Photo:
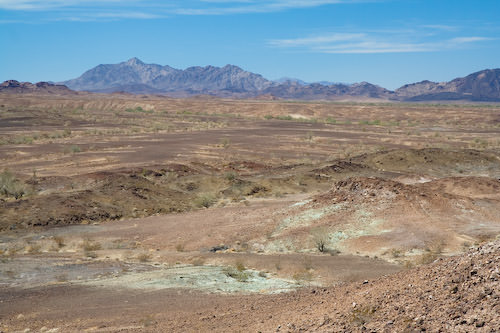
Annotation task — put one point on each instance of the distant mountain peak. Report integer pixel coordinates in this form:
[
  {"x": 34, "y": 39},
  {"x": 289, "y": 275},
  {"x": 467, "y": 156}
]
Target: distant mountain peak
[
  {"x": 136, "y": 76},
  {"x": 134, "y": 62}
]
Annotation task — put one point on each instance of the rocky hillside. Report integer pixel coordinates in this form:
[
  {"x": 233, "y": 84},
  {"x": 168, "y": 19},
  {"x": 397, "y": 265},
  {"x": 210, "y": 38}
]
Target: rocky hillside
[
  {"x": 16, "y": 87},
  {"x": 315, "y": 91},
  {"x": 479, "y": 86},
  {"x": 137, "y": 77}
]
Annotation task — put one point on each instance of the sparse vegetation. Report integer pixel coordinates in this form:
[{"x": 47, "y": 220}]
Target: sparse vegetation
[
  {"x": 205, "y": 200},
  {"x": 139, "y": 109},
  {"x": 10, "y": 186},
  {"x": 144, "y": 257},
  {"x": 230, "y": 176},
  {"x": 33, "y": 248},
  {"x": 73, "y": 149},
  {"x": 361, "y": 315},
  {"x": 320, "y": 239},
  {"x": 225, "y": 143},
  {"x": 89, "y": 245},
  {"x": 59, "y": 240},
  {"x": 238, "y": 272},
  {"x": 303, "y": 276}
]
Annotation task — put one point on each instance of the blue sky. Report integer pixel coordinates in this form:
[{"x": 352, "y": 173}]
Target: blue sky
[{"x": 386, "y": 42}]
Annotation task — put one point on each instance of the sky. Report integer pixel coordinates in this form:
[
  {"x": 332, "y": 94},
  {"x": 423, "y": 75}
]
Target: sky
[{"x": 385, "y": 42}]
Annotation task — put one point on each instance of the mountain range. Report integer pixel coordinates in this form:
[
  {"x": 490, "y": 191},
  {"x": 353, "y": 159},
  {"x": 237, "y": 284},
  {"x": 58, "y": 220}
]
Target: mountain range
[{"x": 134, "y": 76}]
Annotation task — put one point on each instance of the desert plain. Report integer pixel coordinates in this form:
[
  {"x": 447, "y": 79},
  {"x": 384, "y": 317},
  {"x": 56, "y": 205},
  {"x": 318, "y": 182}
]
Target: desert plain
[{"x": 142, "y": 213}]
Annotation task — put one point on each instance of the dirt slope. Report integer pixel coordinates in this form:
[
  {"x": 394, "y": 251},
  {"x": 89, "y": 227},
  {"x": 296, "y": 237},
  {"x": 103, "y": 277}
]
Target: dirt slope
[{"x": 401, "y": 222}]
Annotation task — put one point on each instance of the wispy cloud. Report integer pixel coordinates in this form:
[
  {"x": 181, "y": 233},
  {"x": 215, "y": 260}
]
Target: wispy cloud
[
  {"x": 252, "y": 6},
  {"x": 190, "y": 7},
  {"x": 153, "y": 9},
  {"x": 403, "y": 41},
  {"x": 23, "y": 5},
  {"x": 443, "y": 27}
]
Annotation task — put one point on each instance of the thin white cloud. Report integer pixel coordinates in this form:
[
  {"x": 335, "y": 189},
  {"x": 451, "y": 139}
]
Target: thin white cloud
[
  {"x": 200, "y": 7},
  {"x": 22, "y": 5},
  {"x": 375, "y": 42},
  {"x": 249, "y": 7},
  {"x": 84, "y": 10},
  {"x": 130, "y": 15},
  {"x": 462, "y": 40},
  {"x": 317, "y": 40},
  {"x": 442, "y": 27}
]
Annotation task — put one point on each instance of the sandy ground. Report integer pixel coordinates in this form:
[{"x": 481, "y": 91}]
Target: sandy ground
[{"x": 225, "y": 215}]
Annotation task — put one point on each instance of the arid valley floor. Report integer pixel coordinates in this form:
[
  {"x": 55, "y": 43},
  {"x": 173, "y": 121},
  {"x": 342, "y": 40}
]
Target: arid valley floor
[{"x": 155, "y": 214}]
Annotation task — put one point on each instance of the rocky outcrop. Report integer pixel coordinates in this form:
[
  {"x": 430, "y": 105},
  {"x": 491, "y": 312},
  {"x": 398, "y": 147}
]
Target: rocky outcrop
[{"x": 16, "y": 87}]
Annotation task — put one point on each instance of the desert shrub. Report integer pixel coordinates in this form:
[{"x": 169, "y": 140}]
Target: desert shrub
[
  {"x": 73, "y": 149},
  {"x": 59, "y": 240},
  {"x": 179, "y": 247},
  {"x": 22, "y": 140},
  {"x": 144, "y": 257},
  {"x": 33, "y": 249},
  {"x": 139, "y": 109},
  {"x": 235, "y": 273},
  {"x": 362, "y": 315},
  {"x": 427, "y": 258},
  {"x": 303, "y": 276},
  {"x": 205, "y": 200},
  {"x": 288, "y": 117},
  {"x": 89, "y": 245},
  {"x": 148, "y": 321},
  {"x": 91, "y": 254},
  {"x": 330, "y": 120},
  {"x": 230, "y": 176},
  {"x": 396, "y": 253},
  {"x": 239, "y": 266},
  {"x": 225, "y": 143},
  {"x": 320, "y": 239},
  {"x": 10, "y": 186}
]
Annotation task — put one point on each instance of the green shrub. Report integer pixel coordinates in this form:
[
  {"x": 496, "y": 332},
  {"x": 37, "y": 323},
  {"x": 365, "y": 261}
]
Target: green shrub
[
  {"x": 288, "y": 117},
  {"x": 75, "y": 149},
  {"x": 230, "y": 176},
  {"x": 139, "y": 109}
]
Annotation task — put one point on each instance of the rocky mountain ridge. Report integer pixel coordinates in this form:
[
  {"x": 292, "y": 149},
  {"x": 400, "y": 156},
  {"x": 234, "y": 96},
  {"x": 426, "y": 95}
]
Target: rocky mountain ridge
[
  {"x": 151, "y": 78},
  {"x": 137, "y": 77}
]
